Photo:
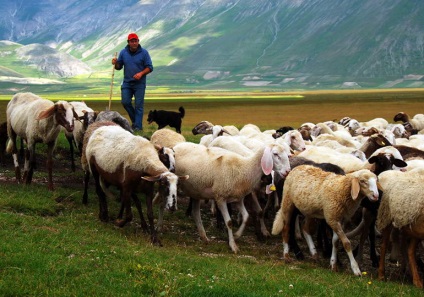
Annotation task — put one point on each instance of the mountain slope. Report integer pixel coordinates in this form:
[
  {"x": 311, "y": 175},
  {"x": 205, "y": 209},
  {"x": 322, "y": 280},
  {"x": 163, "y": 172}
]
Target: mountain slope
[{"x": 308, "y": 43}]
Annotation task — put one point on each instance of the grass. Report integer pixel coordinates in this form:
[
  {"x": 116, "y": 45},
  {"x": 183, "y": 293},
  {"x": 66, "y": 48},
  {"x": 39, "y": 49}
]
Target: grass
[{"x": 52, "y": 245}]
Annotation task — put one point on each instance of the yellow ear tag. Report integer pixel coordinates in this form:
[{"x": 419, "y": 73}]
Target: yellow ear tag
[{"x": 272, "y": 187}]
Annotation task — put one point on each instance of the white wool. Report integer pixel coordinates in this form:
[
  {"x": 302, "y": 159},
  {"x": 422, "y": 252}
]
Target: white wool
[
  {"x": 403, "y": 199},
  {"x": 119, "y": 140},
  {"x": 166, "y": 138}
]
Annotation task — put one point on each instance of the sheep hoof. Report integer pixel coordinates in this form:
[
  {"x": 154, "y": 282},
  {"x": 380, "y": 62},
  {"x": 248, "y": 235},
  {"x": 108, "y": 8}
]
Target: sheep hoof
[
  {"x": 287, "y": 258},
  {"x": 205, "y": 239},
  {"x": 235, "y": 248},
  {"x": 156, "y": 241},
  {"x": 104, "y": 217},
  {"x": 120, "y": 223}
]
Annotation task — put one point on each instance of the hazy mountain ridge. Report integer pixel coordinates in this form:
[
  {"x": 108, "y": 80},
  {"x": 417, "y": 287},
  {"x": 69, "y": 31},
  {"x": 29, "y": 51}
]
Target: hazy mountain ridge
[{"x": 277, "y": 43}]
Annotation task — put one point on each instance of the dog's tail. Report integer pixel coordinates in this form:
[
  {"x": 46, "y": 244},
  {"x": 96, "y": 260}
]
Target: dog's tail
[{"x": 182, "y": 111}]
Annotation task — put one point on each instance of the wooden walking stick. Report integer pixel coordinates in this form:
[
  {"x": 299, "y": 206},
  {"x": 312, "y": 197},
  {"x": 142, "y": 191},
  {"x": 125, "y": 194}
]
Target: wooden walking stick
[{"x": 111, "y": 83}]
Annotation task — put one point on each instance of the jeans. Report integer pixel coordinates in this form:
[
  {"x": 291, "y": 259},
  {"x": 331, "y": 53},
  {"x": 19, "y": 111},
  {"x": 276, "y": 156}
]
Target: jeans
[{"x": 128, "y": 90}]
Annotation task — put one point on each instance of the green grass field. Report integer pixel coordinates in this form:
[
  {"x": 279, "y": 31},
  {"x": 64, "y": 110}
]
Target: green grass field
[{"x": 52, "y": 245}]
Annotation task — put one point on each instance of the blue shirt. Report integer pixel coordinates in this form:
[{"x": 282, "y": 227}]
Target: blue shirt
[{"x": 134, "y": 63}]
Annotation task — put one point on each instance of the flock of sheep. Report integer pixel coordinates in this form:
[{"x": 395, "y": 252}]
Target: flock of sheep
[{"x": 316, "y": 175}]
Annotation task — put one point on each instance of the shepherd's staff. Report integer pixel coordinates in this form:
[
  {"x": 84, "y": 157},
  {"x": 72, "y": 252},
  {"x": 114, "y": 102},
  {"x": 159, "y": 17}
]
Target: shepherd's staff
[{"x": 111, "y": 83}]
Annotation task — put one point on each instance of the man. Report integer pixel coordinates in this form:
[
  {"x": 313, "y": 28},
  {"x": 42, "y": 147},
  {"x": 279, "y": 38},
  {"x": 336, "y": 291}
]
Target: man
[{"x": 137, "y": 64}]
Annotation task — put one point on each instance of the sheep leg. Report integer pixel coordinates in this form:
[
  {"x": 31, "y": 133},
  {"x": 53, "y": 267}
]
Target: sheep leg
[
  {"x": 245, "y": 217},
  {"x": 323, "y": 240},
  {"x": 260, "y": 214},
  {"x": 27, "y": 165},
  {"x": 367, "y": 218},
  {"x": 86, "y": 181},
  {"x": 222, "y": 205},
  {"x": 140, "y": 212},
  {"x": 158, "y": 199},
  {"x": 395, "y": 251},
  {"x": 412, "y": 247},
  {"x": 373, "y": 252},
  {"x": 287, "y": 210},
  {"x": 268, "y": 202},
  {"x": 337, "y": 228},
  {"x": 385, "y": 237},
  {"x": 292, "y": 238},
  {"x": 189, "y": 207},
  {"x": 103, "y": 211},
  {"x": 213, "y": 207},
  {"x": 71, "y": 149},
  {"x": 125, "y": 205},
  {"x": 198, "y": 220},
  {"x": 297, "y": 229},
  {"x": 307, "y": 234},
  {"x": 149, "y": 201},
  {"x": 15, "y": 156},
  {"x": 50, "y": 148},
  {"x": 333, "y": 259}
]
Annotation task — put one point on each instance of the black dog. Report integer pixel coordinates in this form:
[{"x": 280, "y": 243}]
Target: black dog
[{"x": 164, "y": 118}]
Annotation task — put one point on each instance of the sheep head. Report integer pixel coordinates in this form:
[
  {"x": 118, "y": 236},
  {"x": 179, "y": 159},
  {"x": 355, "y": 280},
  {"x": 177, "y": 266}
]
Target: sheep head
[
  {"x": 64, "y": 114},
  {"x": 275, "y": 158},
  {"x": 365, "y": 182},
  {"x": 167, "y": 187}
]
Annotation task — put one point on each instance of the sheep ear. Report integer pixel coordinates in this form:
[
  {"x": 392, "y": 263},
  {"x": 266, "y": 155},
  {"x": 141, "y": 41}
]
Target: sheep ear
[
  {"x": 354, "y": 191},
  {"x": 47, "y": 113},
  {"x": 76, "y": 116},
  {"x": 183, "y": 177},
  {"x": 158, "y": 147},
  {"x": 266, "y": 161},
  {"x": 379, "y": 186},
  {"x": 151, "y": 178}
]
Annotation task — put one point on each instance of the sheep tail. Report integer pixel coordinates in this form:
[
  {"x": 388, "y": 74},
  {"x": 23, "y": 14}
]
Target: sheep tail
[
  {"x": 278, "y": 224},
  {"x": 182, "y": 111}
]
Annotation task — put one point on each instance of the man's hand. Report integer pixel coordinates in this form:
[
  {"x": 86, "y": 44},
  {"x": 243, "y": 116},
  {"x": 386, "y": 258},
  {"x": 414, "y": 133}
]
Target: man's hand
[
  {"x": 138, "y": 75},
  {"x": 114, "y": 61}
]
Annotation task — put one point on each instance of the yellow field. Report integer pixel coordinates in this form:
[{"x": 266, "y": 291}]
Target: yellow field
[{"x": 268, "y": 110}]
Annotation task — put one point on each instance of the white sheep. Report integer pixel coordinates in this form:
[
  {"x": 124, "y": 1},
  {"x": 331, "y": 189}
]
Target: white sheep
[
  {"x": 294, "y": 139},
  {"x": 347, "y": 162},
  {"x": 87, "y": 116},
  {"x": 36, "y": 120},
  {"x": 324, "y": 128},
  {"x": 116, "y": 157},
  {"x": 402, "y": 207},
  {"x": 231, "y": 130},
  {"x": 226, "y": 177},
  {"x": 417, "y": 122},
  {"x": 214, "y": 132},
  {"x": 116, "y": 117},
  {"x": 166, "y": 138},
  {"x": 378, "y": 123},
  {"x": 320, "y": 194},
  {"x": 235, "y": 144}
]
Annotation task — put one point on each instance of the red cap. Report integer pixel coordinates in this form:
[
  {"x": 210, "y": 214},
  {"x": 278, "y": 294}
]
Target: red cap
[{"x": 132, "y": 36}]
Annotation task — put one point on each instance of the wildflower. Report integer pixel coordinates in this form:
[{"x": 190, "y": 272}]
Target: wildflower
[{"x": 364, "y": 273}]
